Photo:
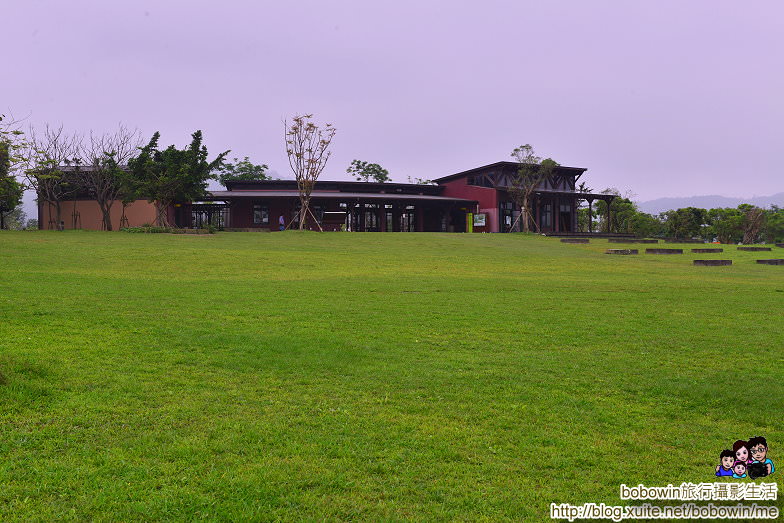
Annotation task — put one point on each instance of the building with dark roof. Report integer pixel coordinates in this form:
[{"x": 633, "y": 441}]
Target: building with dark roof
[
  {"x": 554, "y": 205},
  {"x": 476, "y": 200}
]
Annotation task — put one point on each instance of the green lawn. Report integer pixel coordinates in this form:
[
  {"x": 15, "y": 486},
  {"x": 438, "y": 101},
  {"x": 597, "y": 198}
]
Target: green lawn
[{"x": 371, "y": 376}]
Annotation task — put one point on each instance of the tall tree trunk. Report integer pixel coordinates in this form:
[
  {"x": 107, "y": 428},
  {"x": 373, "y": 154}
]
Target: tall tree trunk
[
  {"x": 2, "y": 220},
  {"x": 303, "y": 211},
  {"x": 123, "y": 218},
  {"x": 107, "y": 220},
  {"x": 526, "y": 214},
  {"x": 58, "y": 213},
  {"x": 106, "y": 211},
  {"x": 160, "y": 211},
  {"x": 50, "y": 208}
]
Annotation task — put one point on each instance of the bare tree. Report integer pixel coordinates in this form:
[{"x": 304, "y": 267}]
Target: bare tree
[
  {"x": 105, "y": 158},
  {"x": 53, "y": 160},
  {"x": 753, "y": 223},
  {"x": 532, "y": 171},
  {"x": 307, "y": 146}
]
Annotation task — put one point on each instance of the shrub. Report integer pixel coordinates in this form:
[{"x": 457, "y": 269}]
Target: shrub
[{"x": 146, "y": 229}]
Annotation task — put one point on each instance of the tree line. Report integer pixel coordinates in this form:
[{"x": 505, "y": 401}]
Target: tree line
[
  {"x": 111, "y": 167},
  {"x": 118, "y": 167},
  {"x": 743, "y": 224}
]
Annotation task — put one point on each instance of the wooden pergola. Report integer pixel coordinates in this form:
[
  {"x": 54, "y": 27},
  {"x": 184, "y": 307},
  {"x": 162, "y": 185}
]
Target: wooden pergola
[{"x": 589, "y": 197}]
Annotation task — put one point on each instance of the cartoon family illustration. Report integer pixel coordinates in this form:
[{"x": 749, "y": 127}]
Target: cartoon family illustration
[{"x": 746, "y": 459}]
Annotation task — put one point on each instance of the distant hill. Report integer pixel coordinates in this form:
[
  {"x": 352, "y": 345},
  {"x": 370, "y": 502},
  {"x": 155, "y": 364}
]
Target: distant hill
[{"x": 707, "y": 202}]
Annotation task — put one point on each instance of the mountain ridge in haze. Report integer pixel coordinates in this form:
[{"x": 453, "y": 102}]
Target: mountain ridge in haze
[{"x": 707, "y": 202}]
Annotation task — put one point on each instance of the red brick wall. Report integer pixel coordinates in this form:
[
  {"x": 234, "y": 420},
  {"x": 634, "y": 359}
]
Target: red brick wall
[{"x": 486, "y": 196}]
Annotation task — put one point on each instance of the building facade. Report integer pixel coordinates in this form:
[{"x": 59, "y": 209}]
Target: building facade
[
  {"x": 335, "y": 206},
  {"x": 554, "y": 204},
  {"x": 477, "y": 200}
]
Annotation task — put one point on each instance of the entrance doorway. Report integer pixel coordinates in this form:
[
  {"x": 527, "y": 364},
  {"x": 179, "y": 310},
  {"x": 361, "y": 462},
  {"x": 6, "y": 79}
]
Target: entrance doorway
[
  {"x": 408, "y": 219},
  {"x": 565, "y": 218}
]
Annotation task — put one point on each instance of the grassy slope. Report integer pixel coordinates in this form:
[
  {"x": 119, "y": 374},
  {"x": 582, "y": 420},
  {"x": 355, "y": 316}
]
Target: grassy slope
[{"x": 370, "y": 375}]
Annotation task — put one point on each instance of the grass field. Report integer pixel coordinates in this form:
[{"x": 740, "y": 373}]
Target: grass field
[{"x": 371, "y": 376}]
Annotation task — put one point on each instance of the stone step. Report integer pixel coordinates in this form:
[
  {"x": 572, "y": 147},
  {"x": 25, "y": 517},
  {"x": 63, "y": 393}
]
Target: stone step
[
  {"x": 631, "y": 240},
  {"x": 663, "y": 251},
  {"x": 712, "y": 263}
]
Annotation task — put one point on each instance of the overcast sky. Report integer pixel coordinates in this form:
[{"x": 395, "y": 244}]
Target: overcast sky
[{"x": 661, "y": 98}]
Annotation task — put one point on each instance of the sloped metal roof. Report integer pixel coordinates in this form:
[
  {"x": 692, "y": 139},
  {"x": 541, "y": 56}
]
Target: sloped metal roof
[{"x": 335, "y": 195}]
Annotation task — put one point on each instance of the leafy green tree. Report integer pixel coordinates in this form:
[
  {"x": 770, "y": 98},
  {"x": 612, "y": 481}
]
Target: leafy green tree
[
  {"x": 173, "y": 175},
  {"x": 625, "y": 216},
  {"x": 130, "y": 190},
  {"x": 622, "y": 213},
  {"x": 582, "y": 219},
  {"x": 16, "y": 220},
  {"x": 242, "y": 170},
  {"x": 11, "y": 191},
  {"x": 774, "y": 227},
  {"x": 646, "y": 225},
  {"x": 364, "y": 172},
  {"x": 13, "y": 148},
  {"x": 421, "y": 181},
  {"x": 688, "y": 222},
  {"x": 725, "y": 224},
  {"x": 17, "y": 152}
]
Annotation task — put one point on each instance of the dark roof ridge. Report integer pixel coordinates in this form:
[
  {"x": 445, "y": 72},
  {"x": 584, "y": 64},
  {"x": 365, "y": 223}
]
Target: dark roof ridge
[{"x": 499, "y": 164}]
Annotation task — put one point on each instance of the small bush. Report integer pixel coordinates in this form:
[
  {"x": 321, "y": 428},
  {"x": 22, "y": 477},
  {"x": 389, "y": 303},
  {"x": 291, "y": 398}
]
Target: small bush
[{"x": 146, "y": 229}]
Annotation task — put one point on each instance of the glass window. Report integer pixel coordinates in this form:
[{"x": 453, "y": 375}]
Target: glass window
[
  {"x": 408, "y": 219},
  {"x": 260, "y": 214},
  {"x": 547, "y": 215},
  {"x": 480, "y": 180},
  {"x": 318, "y": 211}
]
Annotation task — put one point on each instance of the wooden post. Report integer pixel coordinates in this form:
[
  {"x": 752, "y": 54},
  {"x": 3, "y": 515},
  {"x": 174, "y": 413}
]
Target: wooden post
[
  {"x": 538, "y": 213},
  {"x": 590, "y": 215},
  {"x": 609, "y": 202}
]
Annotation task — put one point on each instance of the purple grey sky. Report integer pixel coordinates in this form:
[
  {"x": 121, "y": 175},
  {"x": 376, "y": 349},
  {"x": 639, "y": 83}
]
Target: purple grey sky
[{"x": 663, "y": 98}]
